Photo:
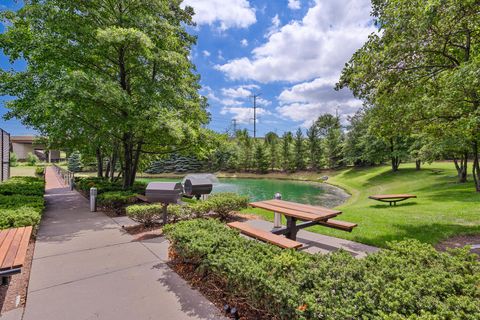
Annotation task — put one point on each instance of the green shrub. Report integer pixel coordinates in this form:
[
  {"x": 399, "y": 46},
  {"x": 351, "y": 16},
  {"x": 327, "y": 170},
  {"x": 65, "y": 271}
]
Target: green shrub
[
  {"x": 224, "y": 203},
  {"x": 17, "y": 201},
  {"x": 31, "y": 159},
  {"x": 19, "y": 217},
  {"x": 178, "y": 212},
  {"x": 200, "y": 208},
  {"x": 27, "y": 186},
  {"x": 116, "y": 200},
  {"x": 409, "y": 280},
  {"x": 40, "y": 171},
  {"x": 13, "y": 159},
  {"x": 145, "y": 214},
  {"x": 105, "y": 185}
]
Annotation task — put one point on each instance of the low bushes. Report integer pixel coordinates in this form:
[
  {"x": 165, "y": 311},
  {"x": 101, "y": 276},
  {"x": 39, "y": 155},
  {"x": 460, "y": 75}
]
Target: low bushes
[
  {"x": 145, "y": 214},
  {"x": 21, "y": 202},
  {"x": 224, "y": 203},
  {"x": 409, "y": 280},
  {"x": 40, "y": 171},
  {"x": 105, "y": 185},
  {"x": 116, "y": 201}
]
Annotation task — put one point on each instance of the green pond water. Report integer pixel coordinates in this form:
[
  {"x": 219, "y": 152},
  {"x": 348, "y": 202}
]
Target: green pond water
[{"x": 263, "y": 189}]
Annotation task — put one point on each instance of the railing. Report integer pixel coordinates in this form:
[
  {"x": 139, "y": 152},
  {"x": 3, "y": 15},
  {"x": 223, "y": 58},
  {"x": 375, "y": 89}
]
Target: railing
[{"x": 68, "y": 177}]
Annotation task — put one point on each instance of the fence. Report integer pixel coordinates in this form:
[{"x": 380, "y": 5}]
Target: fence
[
  {"x": 68, "y": 177},
  {"x": 5, "y": 155}
]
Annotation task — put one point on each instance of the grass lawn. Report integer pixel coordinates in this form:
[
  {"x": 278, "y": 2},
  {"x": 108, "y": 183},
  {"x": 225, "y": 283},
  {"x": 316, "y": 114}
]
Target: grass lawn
[
  {"x": 444, "y": 208},
  {"x": 23, "y": 171}
]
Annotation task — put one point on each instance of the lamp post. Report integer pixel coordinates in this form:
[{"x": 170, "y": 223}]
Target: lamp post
[{"x": 277, "y": 220}]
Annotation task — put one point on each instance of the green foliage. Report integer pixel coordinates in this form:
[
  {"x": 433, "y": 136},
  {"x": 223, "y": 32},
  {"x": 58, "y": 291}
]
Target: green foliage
[
  {"x": 31, "y": 159},
  {"x": 145, "y": 214},
  {"x": 116, "y": 200},
  {"x": 409, "y": 280},
  {"x": 105, "y": 185},
  {"x": 314, "y": 148},
  {"x": 75, "y": 162},
  {"x": 176, "y": 163},
  {"x": 21, "y": 202},
  {"x": 224, "y": 203},
  {"x": 13, "y": 159},
  {"x": 40, "y": 171},
  {"x": 271, "y": 141},
  {"x": 261, "y": 160},
  {"x": 287, "y": 161},
  {"x": 299, "y": 150}
]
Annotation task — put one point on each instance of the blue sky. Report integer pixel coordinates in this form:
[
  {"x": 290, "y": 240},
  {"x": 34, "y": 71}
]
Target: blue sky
[{"x": 290, "y": 51}]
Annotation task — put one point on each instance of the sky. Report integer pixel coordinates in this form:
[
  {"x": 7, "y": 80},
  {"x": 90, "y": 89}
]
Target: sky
[{"x": 289, "y": 52}]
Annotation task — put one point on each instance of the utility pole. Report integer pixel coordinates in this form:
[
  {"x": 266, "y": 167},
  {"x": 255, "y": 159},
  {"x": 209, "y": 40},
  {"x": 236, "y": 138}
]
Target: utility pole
[{"x": 255, "y": 96}]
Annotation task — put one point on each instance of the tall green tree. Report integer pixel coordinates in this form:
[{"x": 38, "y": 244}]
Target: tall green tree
[
  {"x": 330, "y": 133},
  {"x": 287, "y": 161},
  {"x": 114, "y": 74},
  {"x": 424, "y": 60},
  {"x": 314, "y": 148},
  {"x": 246, "y": 144},
  {"x": 272, "y": 142},
  {"x": 299, "y": 150},
  {"x": 261, "y": 158}
]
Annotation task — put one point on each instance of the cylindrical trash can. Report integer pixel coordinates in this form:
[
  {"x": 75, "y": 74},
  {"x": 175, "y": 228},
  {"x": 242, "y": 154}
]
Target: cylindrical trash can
[
  {"x": 93, "y": 199},
  {"x": 277, "y": 220}
]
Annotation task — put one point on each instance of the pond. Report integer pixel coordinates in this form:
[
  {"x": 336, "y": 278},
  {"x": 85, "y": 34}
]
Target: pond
[{"x": 262, "y": 189}]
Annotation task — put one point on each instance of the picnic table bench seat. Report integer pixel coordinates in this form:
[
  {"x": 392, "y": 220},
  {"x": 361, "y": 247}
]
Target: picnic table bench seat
[
  {"x": 265, "y": 236},
  {"x": 337, "y": 224},
  {"x": 13, "y": 251},
  {"x": 392, "y": 198}
]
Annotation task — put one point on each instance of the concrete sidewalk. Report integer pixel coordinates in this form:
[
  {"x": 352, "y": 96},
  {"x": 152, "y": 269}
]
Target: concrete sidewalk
[{"x": 86, "y": 267}]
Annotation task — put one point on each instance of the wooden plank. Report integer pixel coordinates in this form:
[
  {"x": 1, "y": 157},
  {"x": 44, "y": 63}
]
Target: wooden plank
[
  {"x": 3, "y": 236},
  {"x": 392, "y": 196},
  {"x": 6, "y": 245},
  {"x": 265, "y": 236},
  {"x": 302, "y": 215},
  {"x": 22, "y": 250},
  {"x": 301, "y": 207},
  {"x": 12, "y": 250},
  {"x": 337, "y": 224}
]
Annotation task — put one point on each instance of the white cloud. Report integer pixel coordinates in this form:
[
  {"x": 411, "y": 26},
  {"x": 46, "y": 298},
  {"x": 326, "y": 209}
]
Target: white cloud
[
  {"x": 206, "y": 53},
  {"x": 306, "y": 101},
  {"x": 226, "y": 13},
  {"x": 244, "y": 42},
  {"x": 294, "y": 4},
  {"x": 244, "y": 115},
  {"x": 274, "y": 27},
  {"x": 317, "y": 46}
]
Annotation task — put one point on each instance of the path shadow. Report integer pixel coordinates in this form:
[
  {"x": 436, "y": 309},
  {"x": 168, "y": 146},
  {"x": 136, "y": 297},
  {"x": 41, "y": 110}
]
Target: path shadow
[{"x": 192, "y": 302}]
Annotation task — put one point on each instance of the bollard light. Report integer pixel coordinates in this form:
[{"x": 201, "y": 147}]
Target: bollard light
[
  {"x": 277, "y": 220},
  {"x": 93, "y": 199}
]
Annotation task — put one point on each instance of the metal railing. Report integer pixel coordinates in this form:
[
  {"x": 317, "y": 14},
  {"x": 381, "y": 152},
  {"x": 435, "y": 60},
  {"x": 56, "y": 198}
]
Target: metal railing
[{"x": 67, "y": 176}]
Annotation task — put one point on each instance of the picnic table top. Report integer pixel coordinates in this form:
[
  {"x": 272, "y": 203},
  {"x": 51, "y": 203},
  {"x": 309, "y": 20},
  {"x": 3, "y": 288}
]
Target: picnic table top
[
  {"x": 392, "y": 196},
  {"x": 297, "y": 210}
]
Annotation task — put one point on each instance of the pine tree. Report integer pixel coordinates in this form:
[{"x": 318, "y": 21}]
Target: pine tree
[
  {"x": 261, "y": 160},
  {"x": 75, "y": 162},
  {"x": 314, "y": 148},
  {"x": 299, "y": 151},
  {"x": 287, "y": 162}
]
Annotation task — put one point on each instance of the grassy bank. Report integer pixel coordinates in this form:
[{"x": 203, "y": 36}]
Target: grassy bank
[{"x": 444, "y": 207}]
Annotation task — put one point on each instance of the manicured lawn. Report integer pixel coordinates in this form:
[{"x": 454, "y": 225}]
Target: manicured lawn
[
  {"x": 444, "y": 208},
  {"x": 22, "y": 171}
]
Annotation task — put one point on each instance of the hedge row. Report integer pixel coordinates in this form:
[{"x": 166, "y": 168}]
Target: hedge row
[
  {"x": 220, "y": 203},
  {"x": 409, "y": 280},
  {"x": 105, "y": 185},
  {"x": 21, "y": 202}
]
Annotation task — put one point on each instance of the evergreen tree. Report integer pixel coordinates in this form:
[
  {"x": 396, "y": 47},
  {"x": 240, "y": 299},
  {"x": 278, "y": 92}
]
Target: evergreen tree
[
  {"x": 75, "y": 162},
  {"x": 314, "y": 148},
  {"x": 299, "y": 150},
  {"x": 261, "y": 160},
  {"x": 287, "y": 162},
  {"x": 271, "y": 141}
]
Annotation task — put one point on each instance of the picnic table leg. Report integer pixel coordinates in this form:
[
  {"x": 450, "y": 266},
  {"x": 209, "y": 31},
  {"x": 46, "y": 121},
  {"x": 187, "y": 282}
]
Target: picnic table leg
[{"x": 292, "y": 228}]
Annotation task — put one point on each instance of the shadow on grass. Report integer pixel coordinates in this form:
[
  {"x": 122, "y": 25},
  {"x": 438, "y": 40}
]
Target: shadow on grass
[
  {"x": 429, "y": 233},
  {"x": 399, "y": 205}
]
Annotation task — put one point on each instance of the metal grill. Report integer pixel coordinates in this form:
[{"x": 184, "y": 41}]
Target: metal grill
[{"x": 5, "y": 155}]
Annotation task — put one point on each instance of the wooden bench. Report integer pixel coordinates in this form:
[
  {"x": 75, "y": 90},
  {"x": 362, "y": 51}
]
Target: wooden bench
[
  {"x": 337, "y": 224},
  {"x": 265, "y": 236},
  {"x": 13, "y": 251},
  {"x": 392, "y": 198}
]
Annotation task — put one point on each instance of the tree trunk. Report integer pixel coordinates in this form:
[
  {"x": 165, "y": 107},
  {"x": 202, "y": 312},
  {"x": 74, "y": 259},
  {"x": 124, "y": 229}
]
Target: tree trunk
[
  {"x": 461, "y": 166},
  {"x": 476, "y": 167},
  {"x": 395, "y": 163},
  {"x": 99, "y": 163},
  {"x": 418, "y": 164}
]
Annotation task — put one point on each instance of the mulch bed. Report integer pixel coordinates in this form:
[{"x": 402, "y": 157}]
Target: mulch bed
[
  {"x": 14, "y": 295},
  {"x": 213, "y": 288},
  {"x": 460, "y": 242}
]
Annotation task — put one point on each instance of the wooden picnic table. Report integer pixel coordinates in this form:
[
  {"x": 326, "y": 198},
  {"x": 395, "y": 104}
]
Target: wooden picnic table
[{"x": 313, "y": 215}]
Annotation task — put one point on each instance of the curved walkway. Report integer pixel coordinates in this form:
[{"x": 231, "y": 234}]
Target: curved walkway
[{"x": 86, "y": 267}]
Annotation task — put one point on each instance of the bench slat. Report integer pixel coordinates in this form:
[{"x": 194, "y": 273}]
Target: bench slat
[
  {"x": 3, "y": 236},
  {"x": 302, "y": 207},
  {"x": 12, "y": 250},
  {"x": 6, "y": 245},
  {"x": 337, "y": 224},
  {"x": 22, "y": 250},
  {"x": 265, "y": 236},
  {"x": 294, "y": 213}
]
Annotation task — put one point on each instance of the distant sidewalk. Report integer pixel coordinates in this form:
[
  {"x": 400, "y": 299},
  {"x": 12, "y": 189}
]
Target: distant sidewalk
[{"x": 86, "y": 267}]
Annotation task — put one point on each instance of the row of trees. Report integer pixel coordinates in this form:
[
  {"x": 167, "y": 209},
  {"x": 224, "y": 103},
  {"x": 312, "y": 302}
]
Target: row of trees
[{"x": 419, "y": 77}]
